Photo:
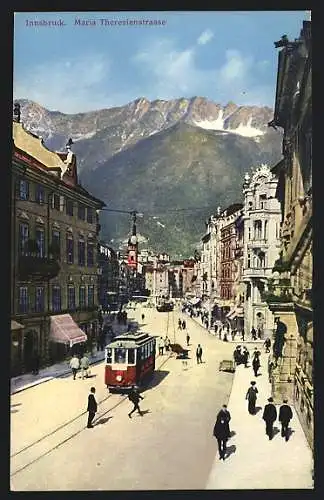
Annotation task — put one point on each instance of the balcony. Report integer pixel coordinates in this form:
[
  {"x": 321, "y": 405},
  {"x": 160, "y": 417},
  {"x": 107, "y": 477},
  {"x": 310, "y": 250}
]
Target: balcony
[
  {"x": 256, "y": 273},
  {"x": 33, "y": 268},
  {"x": 279, "y": 292}
]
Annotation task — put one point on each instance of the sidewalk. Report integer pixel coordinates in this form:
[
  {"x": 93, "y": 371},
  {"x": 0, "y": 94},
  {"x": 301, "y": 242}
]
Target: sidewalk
[
  {"x": 254, "y": 462},
  {"x": 237, "y": 340},
  {"x": 23, "y": 382}
]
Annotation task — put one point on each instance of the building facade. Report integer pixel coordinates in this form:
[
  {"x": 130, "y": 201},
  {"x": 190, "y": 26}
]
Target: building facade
[
  {"x": 54, "y": 236},
  {"x": 108, "y": 276},
  {"x": 290, "y": 296},
  {"x": 261, "y": 218}
]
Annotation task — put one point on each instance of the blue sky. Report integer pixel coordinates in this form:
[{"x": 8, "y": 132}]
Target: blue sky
[{"x": 223, "y": 56}]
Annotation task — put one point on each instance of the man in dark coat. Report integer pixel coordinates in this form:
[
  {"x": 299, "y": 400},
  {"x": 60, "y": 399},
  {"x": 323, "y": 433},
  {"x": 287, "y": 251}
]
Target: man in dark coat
[
  {"x": 245, "y": 357},
  {"x": 269, "y": 416},
  {"x": 256, "y": 365},
  {"x": 221, "y": 431},
  {"x": 285, "y": 415},
  {"x": 253, "y": 333},
  {"x": 134, "y": 396},
  {"x": 267, "y": 344},
  {"x": 199, "y": 354},
  {"x": 188, "y": 339},
  {"x": 251, "y": 396},
  {"x": 92, "y": 407}
]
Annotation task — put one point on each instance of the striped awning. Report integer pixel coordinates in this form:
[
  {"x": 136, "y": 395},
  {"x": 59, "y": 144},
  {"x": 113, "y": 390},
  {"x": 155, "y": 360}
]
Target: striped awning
[{"x": 64, "y": 330}]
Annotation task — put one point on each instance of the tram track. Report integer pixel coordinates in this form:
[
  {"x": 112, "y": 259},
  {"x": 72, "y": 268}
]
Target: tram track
[{"x": 30, "y": 449}]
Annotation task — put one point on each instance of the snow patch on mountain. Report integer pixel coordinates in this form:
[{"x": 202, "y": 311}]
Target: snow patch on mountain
[
  {"x": 243, "y": 130},
  {"x": 247, "y": 130},
  {"x": 80, "y": 137}
]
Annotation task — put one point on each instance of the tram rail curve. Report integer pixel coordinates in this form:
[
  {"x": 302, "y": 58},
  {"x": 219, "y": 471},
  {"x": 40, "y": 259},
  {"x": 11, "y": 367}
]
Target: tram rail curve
[{"x": 32, "y": 446}]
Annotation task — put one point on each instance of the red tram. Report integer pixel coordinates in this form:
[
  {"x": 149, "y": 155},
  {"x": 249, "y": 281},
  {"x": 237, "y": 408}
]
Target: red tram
[{"x": 130, "y": 360}]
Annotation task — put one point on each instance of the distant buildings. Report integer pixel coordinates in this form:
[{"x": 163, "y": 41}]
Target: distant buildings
[{"x": 54, "y": 237}]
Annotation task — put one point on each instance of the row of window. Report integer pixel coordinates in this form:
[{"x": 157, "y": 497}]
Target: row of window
[
  {"x": 226, "y": 271},
  {"x": 29, "y": 302},
  {"x": 56, "y": 201},
  {"x": 122, "y": 355},
  {"x": 256, "y": 261},
  {"x": 260, "y": 205},
  {"x": 226, "y": 292},
  {"x": 83, "y": 250}
]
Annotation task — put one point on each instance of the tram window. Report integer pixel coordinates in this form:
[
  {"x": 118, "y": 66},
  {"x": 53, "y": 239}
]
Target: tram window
[
  {"x": 120, "y": 355},
  {"x": 109, "y": 356},
  {"x": 131, "y": 356},
  {"x": 149, "y": 349}
]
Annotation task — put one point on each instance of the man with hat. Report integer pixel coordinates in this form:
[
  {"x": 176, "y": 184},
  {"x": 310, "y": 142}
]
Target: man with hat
[
  {"x": 285, "y": 415},
  {"x": 269, "y": 416}
]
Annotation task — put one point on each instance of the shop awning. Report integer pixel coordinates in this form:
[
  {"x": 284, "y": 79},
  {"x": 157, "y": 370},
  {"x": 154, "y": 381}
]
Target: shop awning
[
  {"x": 16, "y": 326},
  {"x": 237, "y": 312},
  {"x": 64, "y": 330}
]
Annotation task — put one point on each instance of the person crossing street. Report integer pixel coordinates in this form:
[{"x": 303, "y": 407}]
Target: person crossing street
[
  {"x": 92, "y": 407},
  {"x": 134, "y": 396},
  {"x": 199, "y": 354}
]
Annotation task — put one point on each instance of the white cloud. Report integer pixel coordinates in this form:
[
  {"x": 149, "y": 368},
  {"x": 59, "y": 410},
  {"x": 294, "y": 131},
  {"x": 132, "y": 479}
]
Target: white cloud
[
  {"x": 69, "y": 85},
  {"x": 173, "y": 73},
  {"x": 205, "y": 37}
]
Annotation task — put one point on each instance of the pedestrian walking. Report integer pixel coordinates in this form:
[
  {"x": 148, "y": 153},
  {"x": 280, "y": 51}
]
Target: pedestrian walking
[
  {"x": 216, "y": 328},
  {"x": 221, "y": 431},
  {"x": 259, "y": 333},
  {"x": 188, "y": 339},
  {"x": 74, "y": 365},
  {"x": 143, "y": 317},
  {"x": 199, "y": 354},
  {"x": 179, "y": 324},
  {"x": 225, "y": 337},
  {"x": 161, "y": 346},
  {"x": 167, "y": 343},
  {"x": 253, "y": 333},
  {"x": 92, "y": 407},
  {"x": 84, "y": 365},
  {"x": 267, "y": 344},
  {"x": 269, "y": 416},
  {"x": 256, "y": 365},
  {"x": 251, "y": 396},
  {"x": 134, "y": 396},
  {"x": 285, "y": 415},
  {"x": 184, "y": 325},
  {"x": 245, "y": 357}
]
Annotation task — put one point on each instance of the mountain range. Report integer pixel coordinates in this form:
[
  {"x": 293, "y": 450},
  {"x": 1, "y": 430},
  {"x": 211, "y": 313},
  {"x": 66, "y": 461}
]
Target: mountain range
[{"x": 160, "y": 157}]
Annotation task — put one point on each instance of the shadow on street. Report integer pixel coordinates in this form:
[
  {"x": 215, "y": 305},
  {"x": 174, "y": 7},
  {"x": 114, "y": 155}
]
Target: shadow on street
[
  {"x": 232, "y": 433},
  {"x": 275, "y": 431},
  {"x": 159, "y": 376},
  {"x": 257, "y": 409},
  {"x": 230, "y": 450},
  {"x": 103, "y": 420}
]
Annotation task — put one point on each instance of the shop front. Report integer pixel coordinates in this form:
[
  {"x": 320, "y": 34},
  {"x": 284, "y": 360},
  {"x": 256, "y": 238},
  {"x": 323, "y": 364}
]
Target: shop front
[{"x": 17, "y": 346}]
